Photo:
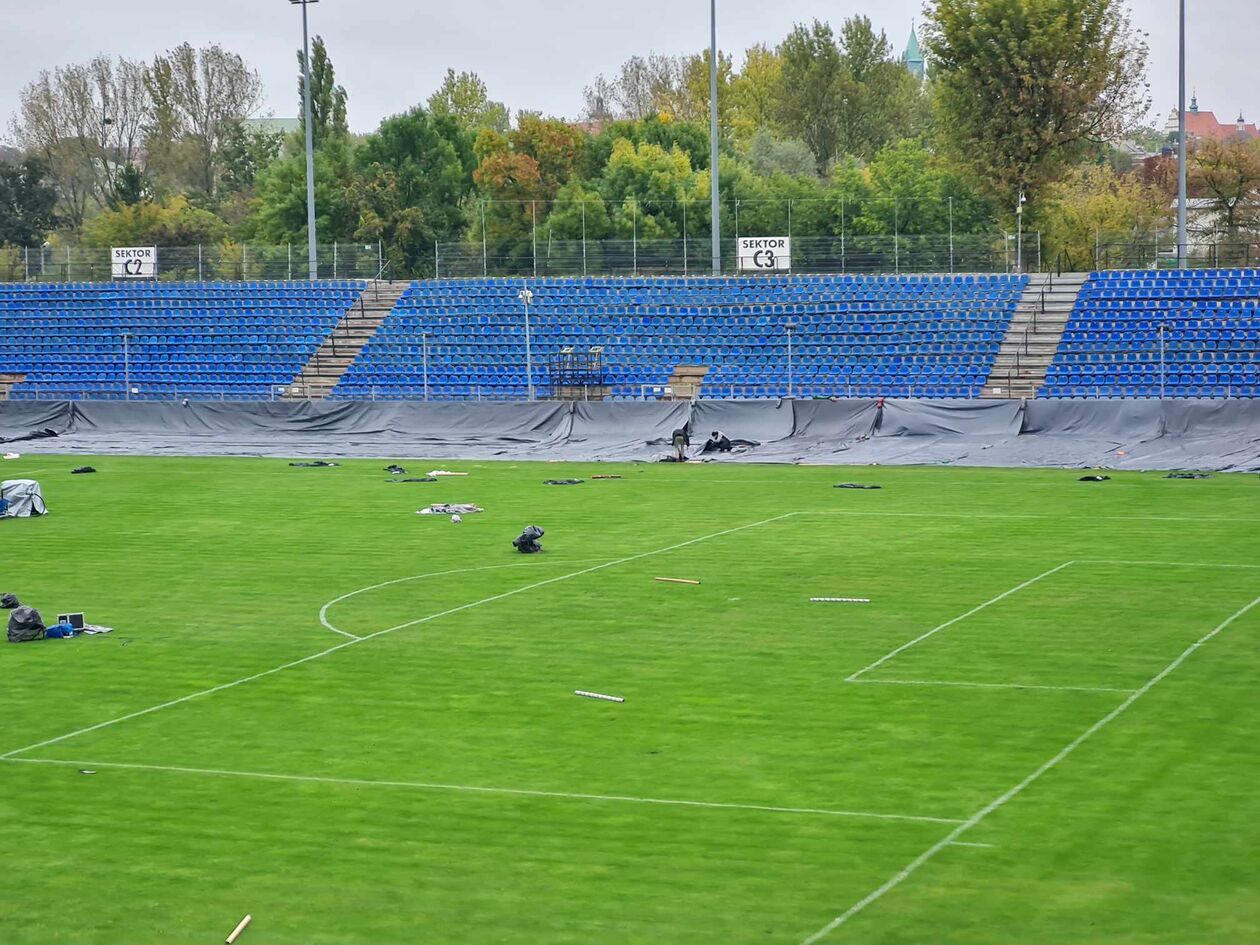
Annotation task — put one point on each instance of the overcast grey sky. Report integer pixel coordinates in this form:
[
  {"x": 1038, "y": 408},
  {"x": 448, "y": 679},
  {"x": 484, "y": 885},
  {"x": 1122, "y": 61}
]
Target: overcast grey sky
[{"x": 390, "y": 54}]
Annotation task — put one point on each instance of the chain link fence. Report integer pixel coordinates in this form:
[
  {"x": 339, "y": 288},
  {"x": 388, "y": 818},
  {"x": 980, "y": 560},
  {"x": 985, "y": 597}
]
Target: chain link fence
[{"x": 206, "y": 263}]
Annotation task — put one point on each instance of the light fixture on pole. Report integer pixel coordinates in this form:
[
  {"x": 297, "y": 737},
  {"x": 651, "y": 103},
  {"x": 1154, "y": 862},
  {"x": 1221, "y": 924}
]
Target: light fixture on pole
[
  {"x": 715, "y": 210},
  {"x": 527, "y": 296},
  {"x": 1182, "y": 248},
  {"x": 1163, "y": 333},
  {"x": 1019, "y": 232},
  {"x": 789, "y": 328},
  {"x": 127, "y": 365},
  {"x": 424, "y": 343},
  {"x": 311, "y": 244}
]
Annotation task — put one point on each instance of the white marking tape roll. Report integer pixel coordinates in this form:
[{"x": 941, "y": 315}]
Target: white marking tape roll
[{"x": 597, "y": 695}]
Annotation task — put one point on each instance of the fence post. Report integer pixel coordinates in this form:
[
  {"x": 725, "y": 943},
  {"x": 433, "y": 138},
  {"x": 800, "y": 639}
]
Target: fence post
[
  {"x": 583, "y": 204},
  {"x": 380, "y": 257},
  {"x": 244, "y": 261},
  {"x": 1097, "y": 246},
  {"x": 842, "y": 260},
  {"x": 684, "y": 208},
  {"x": 437, "y": 262},
  {"x": 533, "y": 211},
  {"x": 737, "y": 230},
  {"x": 26, "y": 264},
  {"x": 334, "y": 259},
  {"x": 1039, "y": 265},
  {"x": 634, "y": 235},
  {"x": 485, "y": 259},
  {"x": 896, "y": 236},
  {"x": 290, "y": 260},
  {"x": 951, "y": 236}
]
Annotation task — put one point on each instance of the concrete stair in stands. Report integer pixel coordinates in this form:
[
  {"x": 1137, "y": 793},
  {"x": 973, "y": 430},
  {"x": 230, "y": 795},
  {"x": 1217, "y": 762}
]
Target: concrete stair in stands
[{"x": 333, "y": 358}]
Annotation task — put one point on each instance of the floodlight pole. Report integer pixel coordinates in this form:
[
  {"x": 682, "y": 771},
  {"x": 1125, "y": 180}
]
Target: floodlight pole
[
  {"x": 1182, "y": 247},
  {"x": 310, "y": 143},
  {"x": 527, "y": 296},
  {"x": 716, "y": 223}
]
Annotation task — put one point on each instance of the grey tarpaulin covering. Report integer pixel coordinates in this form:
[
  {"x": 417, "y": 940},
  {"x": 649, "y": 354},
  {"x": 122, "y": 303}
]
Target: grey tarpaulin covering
[
  {"x": 22, "y": 498},
  {"x": 1133, "y": 434}
]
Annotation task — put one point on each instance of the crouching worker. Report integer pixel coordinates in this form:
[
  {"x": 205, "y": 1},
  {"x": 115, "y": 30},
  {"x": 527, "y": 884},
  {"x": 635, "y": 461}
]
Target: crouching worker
[
  {"x": 718, "y": 442},
  {"x": 527, "y": 543},
  {"x": 681, "y": 439}
]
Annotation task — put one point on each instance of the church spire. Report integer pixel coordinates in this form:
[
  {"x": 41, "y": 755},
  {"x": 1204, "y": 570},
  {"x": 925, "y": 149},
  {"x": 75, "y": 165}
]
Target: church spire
[{"x": 913, "y": 56}]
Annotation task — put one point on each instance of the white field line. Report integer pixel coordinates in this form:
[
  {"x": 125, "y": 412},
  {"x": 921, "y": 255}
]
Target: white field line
[
  {"x": 323, "y": 611},
  {"x": 1035, "y": 517},
  {"x": 913, "y": 866},
  {"x": 1166, "y": 564},
  {"x": 964, "y": 843},
  {"x": 371, "y": 636},
  {"x": 949, "y": 623},
  {"x": 475, "y": 789},
  {"x": 983, "y": 685}
]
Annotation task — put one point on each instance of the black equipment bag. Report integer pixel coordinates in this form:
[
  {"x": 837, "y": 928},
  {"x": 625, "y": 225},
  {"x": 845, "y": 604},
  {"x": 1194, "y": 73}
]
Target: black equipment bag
[{"x": 25, "y": 625}]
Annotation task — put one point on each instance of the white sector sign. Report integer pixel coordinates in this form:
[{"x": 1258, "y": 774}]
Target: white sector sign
[
  {"x": 134, "y": 262},
  {"x": 765, "y": 253}
]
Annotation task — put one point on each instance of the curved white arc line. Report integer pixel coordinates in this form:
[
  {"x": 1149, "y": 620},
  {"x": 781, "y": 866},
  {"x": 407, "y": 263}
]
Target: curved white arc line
[{"x": 323, "y": 611}]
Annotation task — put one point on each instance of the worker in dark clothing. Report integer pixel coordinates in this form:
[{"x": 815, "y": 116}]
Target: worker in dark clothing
[
  {"x": 681, "y": 440},
  {"x": 718, "y": 442}
]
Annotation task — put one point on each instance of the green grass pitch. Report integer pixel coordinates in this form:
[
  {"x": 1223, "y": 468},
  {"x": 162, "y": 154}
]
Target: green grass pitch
[{"x": 780, "y": 772}]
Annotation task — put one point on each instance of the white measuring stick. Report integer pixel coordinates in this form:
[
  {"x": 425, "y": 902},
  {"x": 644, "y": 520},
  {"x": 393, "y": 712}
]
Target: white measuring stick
[
  {"x": 839, "y": 600},
  {"x": 597, "y": 695},
  {"x": 236, "y": 932}
]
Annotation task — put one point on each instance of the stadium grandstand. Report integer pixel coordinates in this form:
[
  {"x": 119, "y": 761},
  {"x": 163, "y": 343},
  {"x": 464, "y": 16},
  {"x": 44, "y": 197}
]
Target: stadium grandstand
[{"x": 1190, "y": 334}]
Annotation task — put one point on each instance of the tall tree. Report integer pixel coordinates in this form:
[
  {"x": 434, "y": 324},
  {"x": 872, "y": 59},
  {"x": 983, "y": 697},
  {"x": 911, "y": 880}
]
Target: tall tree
[
  {"x": 756, "y": 92},
  {"x": 279, "y": 216},
  {"x": 1025, "y": 85},
  {"x": 812, "y": 97},
  {"x": 86, "y": 123},
  {"x": 415, "y": 173},
  {"x": 198, "y": 94},
  {"x": 878, "y": 94},
  {"x": 27, "y": 203},
  {"x": 464, "y": 97},
  {"x": 1094, "y": 199},
  {"x": 1227, "y": 174},
  {"x": 328, "y": 99}
]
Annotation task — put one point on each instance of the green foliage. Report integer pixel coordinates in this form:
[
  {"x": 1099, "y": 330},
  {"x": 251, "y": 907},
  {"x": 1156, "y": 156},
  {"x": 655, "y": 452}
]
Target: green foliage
[
  {"x": 910, "y": 192},
  {"x": 172, "y": 223},
  {"x": 280, "y": 207},
  {"x": 28, "y": 203},
  {"x": 1094, "y": 199},
  {"x": 415, "y": 173},
  {"x": 464, "y": 97},
  {"x": 812, "y": 91},
  {"x": 1227, "y": 173},
  {"x": 130, "y": 187},
  {"x": 1025, "y": 85},
  {"x": 769, "y": 155},
  {"x": 328, "y": 99}
]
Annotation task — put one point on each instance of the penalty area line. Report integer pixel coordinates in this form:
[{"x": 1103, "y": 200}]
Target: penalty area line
[
  {"x": 478, "y": 789},
  {"x": 1002, "y": 800}
]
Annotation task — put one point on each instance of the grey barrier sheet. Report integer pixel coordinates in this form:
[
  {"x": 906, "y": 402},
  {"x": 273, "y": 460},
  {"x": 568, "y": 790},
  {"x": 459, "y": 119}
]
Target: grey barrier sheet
[{"x": 1222, "y": 435}]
